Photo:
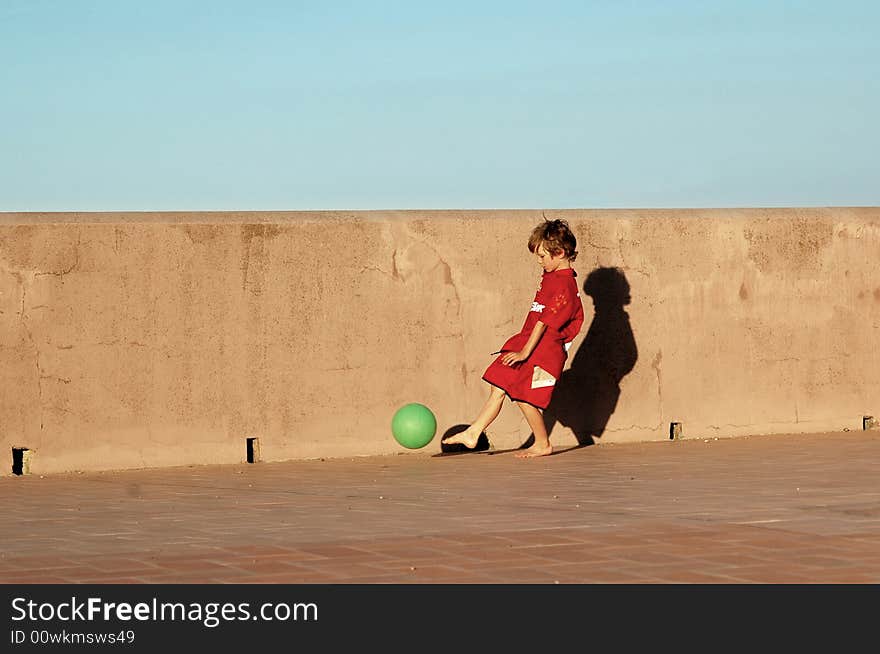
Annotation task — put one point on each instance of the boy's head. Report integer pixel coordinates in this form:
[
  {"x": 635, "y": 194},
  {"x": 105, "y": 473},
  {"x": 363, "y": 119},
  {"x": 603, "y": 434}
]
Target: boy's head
[{"x": 556, "y": 237}]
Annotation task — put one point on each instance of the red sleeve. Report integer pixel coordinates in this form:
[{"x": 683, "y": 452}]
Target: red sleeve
[
  {"x": 559, "y": 304},
  {"x": 573, "y": 328}
]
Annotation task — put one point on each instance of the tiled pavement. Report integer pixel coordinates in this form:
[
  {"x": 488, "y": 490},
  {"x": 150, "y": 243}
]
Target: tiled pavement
[{"x": 768, "y": 509}]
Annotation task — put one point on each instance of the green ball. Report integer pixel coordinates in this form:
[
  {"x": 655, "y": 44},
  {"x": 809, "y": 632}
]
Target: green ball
[{"x": 413, "y": 426}]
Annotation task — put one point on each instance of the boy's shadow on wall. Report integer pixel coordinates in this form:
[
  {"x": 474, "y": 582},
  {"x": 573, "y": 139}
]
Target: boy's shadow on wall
[{"x": 586, "y": 394}]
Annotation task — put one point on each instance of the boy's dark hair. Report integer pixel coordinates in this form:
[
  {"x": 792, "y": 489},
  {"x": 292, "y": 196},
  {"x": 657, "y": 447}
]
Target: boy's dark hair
[{"x": 556, "y": 236}]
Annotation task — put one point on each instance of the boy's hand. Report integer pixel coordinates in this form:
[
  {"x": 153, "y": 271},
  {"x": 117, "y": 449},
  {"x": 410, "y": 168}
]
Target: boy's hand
[{"x": 512, "y": 358}]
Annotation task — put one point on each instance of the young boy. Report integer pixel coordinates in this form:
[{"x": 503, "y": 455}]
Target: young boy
[{"x": 531, "y": 361}]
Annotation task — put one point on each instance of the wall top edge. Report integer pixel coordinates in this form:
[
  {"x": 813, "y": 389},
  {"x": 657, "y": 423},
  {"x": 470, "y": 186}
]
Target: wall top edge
[{"x": 219, "y": 217}]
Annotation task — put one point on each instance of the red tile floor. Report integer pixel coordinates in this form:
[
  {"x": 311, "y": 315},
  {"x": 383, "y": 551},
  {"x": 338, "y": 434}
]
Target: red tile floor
[{"x": 759, "y": 509}]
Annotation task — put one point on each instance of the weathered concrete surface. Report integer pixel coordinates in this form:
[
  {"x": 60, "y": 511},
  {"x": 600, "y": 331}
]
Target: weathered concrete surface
[
  {"x": 787, "y": 509},
  {"x": 151, "y": 339}
]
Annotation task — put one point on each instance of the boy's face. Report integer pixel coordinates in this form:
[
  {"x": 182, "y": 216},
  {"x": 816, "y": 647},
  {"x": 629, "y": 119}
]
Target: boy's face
[{"x": 550, "y": 262}]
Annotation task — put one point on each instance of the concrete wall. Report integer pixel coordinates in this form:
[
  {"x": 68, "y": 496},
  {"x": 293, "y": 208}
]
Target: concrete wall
[{"x": 152, "y": 339}]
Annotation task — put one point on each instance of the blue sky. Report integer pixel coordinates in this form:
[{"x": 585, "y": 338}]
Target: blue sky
[{"x": 112, "y": 105}]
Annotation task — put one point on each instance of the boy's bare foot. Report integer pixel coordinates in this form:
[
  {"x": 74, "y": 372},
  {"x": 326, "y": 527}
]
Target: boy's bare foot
[
  {"x": 466, "y": 438},
  {"x": 535, "y": 450}
]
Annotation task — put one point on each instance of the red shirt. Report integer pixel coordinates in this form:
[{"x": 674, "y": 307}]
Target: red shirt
[{"x": 558, "y": 305}]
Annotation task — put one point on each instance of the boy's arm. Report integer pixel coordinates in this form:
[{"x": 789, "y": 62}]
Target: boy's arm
[{"x": 516, "y": 357}]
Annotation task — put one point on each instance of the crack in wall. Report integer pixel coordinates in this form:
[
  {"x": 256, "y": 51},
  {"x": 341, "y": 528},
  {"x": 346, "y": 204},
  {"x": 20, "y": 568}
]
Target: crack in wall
[
  {"x": 54, "y": 378},
  {"x": 26, "y": 280},
  {"x": 345, "y": 368},
  {"x": 589, "y": 241},
  {"x": 656, "y": 427},
  {"x": 625, "y": 266},
  {"x": 71, "y": 268},
  {"x": 749, "y": 425},
  {"x": 796, "y": 359},
  {"x": 23, "y": 295},
  {"x": 250, "y": 233},
  {"x": 391, "y": 274},
  {"x": 395, "y": 272},
  {"x": 655, "y": 364},
  {"x": 509, "y": 321},
  {"x": 24, "y": 283},
  {"x": 448, "y": 280},
  {"x": 446, "y": 270}
]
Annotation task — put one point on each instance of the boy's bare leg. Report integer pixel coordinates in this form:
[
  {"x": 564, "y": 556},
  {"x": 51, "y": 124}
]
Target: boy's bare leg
[
  {"x": 489, "y": 412},
  {"x": 541, "y": 446}
]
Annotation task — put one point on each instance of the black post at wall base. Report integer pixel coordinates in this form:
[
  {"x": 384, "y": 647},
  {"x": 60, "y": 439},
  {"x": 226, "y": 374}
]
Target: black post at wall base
[
  {"x": 253, "y": 450},
  {"x": 21, "y": 461}
]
